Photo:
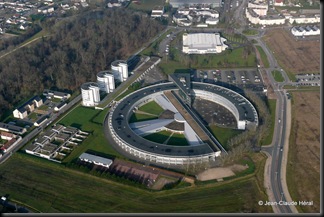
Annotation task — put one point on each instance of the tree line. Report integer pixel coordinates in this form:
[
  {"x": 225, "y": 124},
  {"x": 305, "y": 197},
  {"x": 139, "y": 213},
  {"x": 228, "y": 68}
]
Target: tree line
[{"x": 78, "y": 48}]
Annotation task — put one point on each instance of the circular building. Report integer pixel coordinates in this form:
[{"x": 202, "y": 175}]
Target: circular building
[
  {"x": 106, "y": 82},
  {"x": 90, "y": 94},
  {"x": 120, "y": 69},
  {"x": 142, "y": 149}
]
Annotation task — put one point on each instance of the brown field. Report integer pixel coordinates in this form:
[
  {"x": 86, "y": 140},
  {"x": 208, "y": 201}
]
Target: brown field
[
  {"x": 303, "y": 168},
  {"x": 302, "y": 56}
]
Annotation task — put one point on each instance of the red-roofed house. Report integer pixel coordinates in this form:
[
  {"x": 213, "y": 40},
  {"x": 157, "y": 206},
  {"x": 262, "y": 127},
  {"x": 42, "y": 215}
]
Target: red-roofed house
[{"x": 279, "y": 3}]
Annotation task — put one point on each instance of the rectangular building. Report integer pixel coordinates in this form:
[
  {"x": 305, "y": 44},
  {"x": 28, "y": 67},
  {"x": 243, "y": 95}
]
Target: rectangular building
[{"x": 203, "y": 43}]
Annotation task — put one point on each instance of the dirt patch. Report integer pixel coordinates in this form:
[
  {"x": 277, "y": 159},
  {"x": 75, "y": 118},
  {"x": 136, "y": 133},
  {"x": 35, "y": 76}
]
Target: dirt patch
[
  {"x": 238, "y": 167},
  {"x": 220, "y": 172},
  {"x": 297, "y": 56},
  {"x": 161, "y": 181},
  {"x": 303, "y": 167}
]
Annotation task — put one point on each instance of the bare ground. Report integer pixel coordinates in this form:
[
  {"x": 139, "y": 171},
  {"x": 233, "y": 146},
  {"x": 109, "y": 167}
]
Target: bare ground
[
  {"x": 303, "y": 168},
  {"x": 297, "y": 56},
  {"x": 220, "y": 172}
]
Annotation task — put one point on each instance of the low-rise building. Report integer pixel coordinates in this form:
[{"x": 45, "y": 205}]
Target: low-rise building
[
  {"x": 157, "y": 11},
  {"x": 12, "y": 128},
  {"x": 97, "y": 160},
  {"x": 56, "y": 94},
  {"x": 202, "y": 43},
  {"x": 23, "y": 111}
]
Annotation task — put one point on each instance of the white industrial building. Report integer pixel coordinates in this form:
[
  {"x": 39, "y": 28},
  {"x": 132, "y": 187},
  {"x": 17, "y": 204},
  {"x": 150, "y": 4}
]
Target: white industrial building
[
  {"x": 305, "y": 31},
  {"x": 120, "y": 70},
  {"x": 212, "y": 21},
  {"x": 90, "y": 94},
  {"x": 97, "y": 160},
  {"x": 106, "y": 82},
  {"x": 305, "y": 19},
  {"x": 179, "y": 3},
  {"x": 203, "y": 43}
]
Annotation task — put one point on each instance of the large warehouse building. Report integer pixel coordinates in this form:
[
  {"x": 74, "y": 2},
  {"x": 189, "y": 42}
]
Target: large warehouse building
[
  {"x": 203, "y": 43},
  {"x": 90, "y": 94},
  {"x": 179, "y": 3}
]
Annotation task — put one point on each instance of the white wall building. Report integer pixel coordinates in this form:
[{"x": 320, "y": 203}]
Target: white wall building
[
  {"x": 212, "y": 21},
  {"x": 306, "y": 19},
  {"x": 157, "y": 11},
  {"x": 254, "y": 18},
  {"x": 106, "y": 82},
  {"x": 305, "y": 31},
  {"x": 90, "y": 94},
  {"x": 203, "y": 43},
  {"x": 120, "y": 70}
]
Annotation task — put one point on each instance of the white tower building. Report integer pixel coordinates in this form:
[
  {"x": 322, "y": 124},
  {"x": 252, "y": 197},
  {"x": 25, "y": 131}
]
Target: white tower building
[
  {"x": 105, "y": 80},
  {"x": 120, "y": 70},
  {"x": 90, "y": 94}
]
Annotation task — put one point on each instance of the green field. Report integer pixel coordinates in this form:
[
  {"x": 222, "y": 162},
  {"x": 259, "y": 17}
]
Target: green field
[
  {"x": 178, "y": 139},
  {"x": 136, "y": 117},
  {"x": 277, "y": 76},
  {"x": 50, "y": 187},
  {"x": 263, "y": 56},
  {"x": 152, "y": 108},
  {"x": 250, "y": 32},
  {"x": 272, "y": 108},
  {"x": 159, "y": 137},
  {"x": 146, "y": 5},
  {"x": 89, "y": 120},
  {"x": 223, "y": 134},
  {"x": 183, "y": 63}
]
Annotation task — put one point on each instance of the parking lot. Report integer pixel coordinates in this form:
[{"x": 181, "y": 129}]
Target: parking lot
[
  {"x": 243, "y": 78},
  {"x": 309, "y": 79}
]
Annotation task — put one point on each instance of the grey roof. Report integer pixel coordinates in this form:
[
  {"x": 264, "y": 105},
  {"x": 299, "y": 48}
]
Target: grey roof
[
  {"x": 95, "y": 158},
  {"x": 102, "y": 74},
  {"x": 87, "y": 85},
  {"x": 60, "y": 105},
  {"x": 120, "y": 118},
  {"x": 117, "y": 62},
  {"x": 41, "y": 119},
  {"x": 243, "y": 107},
  {"x": 55, "y": 93},
  {"x": 13, "y": 128}
]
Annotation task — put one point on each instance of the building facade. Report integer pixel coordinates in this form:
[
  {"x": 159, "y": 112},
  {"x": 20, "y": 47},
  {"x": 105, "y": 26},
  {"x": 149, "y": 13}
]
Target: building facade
[
  {"x": 90, "y": 94},
  {"x": 106, "y": 82},
  {"x": 203, "y": 43},
  {"x": 120, "y": 70}
]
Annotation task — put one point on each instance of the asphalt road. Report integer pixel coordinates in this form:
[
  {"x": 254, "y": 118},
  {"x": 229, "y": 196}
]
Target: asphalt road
[{"x": 278, "y": 142}]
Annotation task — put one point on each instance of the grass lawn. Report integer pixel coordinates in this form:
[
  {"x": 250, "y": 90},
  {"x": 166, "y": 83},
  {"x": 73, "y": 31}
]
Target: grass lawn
[
  {"x": 272, "y": 107},
  {"x": 158, "y": 137},
  {"x": 178, "y": 139},
  {"x": 43, "y": 107},
  {"x": 89, "y": 120},
  {"x": 171, "y": 66},
  {"x": 33, "y": 116},
  {"x": 263, "y": 56},
  {"x": 228, "y": 58},
  {"x": 152, "y": 108},
  {"x": 250, "y": 32},
  {"x": 223, "y": 134},
  {"x": 136, "y": 117},
  {"x": 277, "y": 76},
  {"x": 50, "y": 187},
  {"x": 146, "y": 5}
]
